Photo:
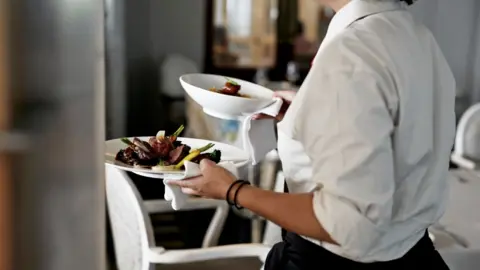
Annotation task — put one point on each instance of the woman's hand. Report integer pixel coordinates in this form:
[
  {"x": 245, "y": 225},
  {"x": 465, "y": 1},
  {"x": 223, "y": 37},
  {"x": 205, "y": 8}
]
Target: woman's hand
[
  {"x": 287, "y": 97},
  {"x": 213, "y": 183}
]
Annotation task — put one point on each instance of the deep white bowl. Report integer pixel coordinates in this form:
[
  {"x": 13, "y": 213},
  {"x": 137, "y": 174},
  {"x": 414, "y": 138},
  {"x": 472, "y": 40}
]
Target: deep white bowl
[{"x": 197, "y": 87}]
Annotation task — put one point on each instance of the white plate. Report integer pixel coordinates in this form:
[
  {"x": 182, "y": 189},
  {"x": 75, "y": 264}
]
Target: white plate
[
  {"x": 197, "y": 87},
  {"x": 229, "y": 153}
]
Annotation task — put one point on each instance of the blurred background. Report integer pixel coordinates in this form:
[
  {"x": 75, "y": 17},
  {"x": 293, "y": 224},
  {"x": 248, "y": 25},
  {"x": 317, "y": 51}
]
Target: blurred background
[{"x": 75, "y": 73}]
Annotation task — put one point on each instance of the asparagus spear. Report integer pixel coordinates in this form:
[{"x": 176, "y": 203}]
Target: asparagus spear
[
  {"x": 193, "y": 154},
  {"x": 177, "y": 133},
  {"x": 127, "y": 142}
]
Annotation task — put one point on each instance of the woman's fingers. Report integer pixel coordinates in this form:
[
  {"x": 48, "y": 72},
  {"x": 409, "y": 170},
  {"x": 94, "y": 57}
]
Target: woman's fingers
[
  {"x": 188, "y": 186},
  {"x": 286, "y": 95},
  {"x": 187, "y": 183},
  {"x": 262, "y": 116},
  {"x": 190, "y": 191}
]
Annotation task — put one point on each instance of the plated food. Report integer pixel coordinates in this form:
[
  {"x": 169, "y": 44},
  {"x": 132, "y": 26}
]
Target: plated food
[
  {"x": 231, "y": 88},
  {"x": 164, "y": 153}
]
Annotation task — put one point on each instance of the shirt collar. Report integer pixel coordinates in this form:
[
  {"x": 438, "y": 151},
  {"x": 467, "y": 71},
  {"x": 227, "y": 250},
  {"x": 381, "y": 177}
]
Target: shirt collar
[{"x": 356, "y": 10}]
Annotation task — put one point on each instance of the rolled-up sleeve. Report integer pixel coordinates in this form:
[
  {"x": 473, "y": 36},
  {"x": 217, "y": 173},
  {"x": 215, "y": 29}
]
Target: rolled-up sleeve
[{"x": 345, "y": 124}]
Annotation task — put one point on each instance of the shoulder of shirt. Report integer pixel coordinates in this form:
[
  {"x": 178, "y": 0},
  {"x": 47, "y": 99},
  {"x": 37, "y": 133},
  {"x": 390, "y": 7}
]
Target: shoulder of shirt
[
  {"x": 347, "y": 51},
  {"x": 363, "y": 47}
]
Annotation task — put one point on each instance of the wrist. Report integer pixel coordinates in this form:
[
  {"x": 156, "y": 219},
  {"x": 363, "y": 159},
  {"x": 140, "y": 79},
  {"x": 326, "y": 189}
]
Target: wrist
[
  {"x": 240, "y": 189},
  {"x": 229, "y": 191},
  {"x": 231, "y": 196}
]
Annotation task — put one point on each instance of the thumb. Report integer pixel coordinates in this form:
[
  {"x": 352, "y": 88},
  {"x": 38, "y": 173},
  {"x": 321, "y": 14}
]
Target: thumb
[{"x": 205, "y": 164}]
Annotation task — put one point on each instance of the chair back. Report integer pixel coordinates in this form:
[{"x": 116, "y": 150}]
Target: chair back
[
  {"x": 131, "y": 225},
  {"x": 273, "y": 232},
  {"x": 467, "y": 140},
  {"x": 462, "y": 259},
  {"x": 172, "y": 67}
]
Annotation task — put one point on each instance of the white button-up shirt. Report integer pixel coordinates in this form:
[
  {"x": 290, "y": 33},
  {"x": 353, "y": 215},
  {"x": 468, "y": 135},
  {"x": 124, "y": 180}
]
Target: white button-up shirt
[{"x": 370, "y": 132}]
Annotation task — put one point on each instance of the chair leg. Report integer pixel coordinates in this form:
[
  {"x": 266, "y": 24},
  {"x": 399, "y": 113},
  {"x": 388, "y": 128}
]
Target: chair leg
[{"x": 216, "y": 226}]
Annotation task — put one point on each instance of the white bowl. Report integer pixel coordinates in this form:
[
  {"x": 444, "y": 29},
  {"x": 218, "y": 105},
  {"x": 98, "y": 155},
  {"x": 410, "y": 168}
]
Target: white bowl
[{"x": 197, "y": 87}]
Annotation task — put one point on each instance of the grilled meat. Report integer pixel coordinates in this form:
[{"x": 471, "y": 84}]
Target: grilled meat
[
  {"x": 177, "y": 154},
  {"x": 231, "y": 89},
  {"x": 161, "y": 147},
  {"x": 127, "y": 156}
]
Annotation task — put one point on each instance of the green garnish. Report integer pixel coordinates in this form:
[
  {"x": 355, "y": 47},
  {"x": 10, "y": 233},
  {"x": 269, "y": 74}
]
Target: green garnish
[
  {"x": 178, "y": 132},
  {"x": 205, "y": 148},
  {"x": 232, "y": 82},
  {"x": 126, "y": 141},
  {"x": 215, "y": 156}
]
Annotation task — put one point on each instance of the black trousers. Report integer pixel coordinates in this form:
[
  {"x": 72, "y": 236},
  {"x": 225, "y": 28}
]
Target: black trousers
[{"x": 296, "y": 253}]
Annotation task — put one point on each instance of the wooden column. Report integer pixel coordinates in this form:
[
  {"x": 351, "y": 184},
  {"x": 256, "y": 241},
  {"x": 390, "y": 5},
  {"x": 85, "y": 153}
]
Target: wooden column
[
  {"x": 5, "y": 180},
  {"x": 258, "y": 7},
  {"x": 225, "y": 13},
  {"x": 57, "y": 48},
  {"x": 262, "y": 40},
  {"x": 309, "y": 15}
]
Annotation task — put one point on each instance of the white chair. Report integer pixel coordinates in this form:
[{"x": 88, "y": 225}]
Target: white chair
[
  {"x": 273, "y": 232},
  {"x": 133, "y": 237},
  {"x": 173, "y": 96},
  {"x": 467, "y": 140},
  {"x": 171, "y": 68},
  {"x": 199, "y": 125},
  {"x": 462, "y": 259}
]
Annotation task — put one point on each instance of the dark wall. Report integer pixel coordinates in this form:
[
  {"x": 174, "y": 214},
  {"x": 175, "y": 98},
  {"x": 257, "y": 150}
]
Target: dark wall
[
  {"x": 177, "y": 26},
  {"x": 144, "y": 109},
  {"x": 115, "y": 69},
  {"x": 154, "y": 29}
]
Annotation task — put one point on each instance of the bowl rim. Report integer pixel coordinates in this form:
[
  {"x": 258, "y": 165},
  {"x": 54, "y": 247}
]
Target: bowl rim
[{"x": 223, "y": 95}]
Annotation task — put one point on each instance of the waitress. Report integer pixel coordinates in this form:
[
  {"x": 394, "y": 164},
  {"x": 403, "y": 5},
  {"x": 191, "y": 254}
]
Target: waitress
[{"x": 364, "y": 145}]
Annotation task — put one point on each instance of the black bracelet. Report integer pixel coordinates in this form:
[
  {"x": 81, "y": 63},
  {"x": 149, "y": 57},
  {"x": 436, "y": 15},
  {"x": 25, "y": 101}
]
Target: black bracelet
[
  {"x": 227, "y": 197},
  {"x": 243, "y": 183}
]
